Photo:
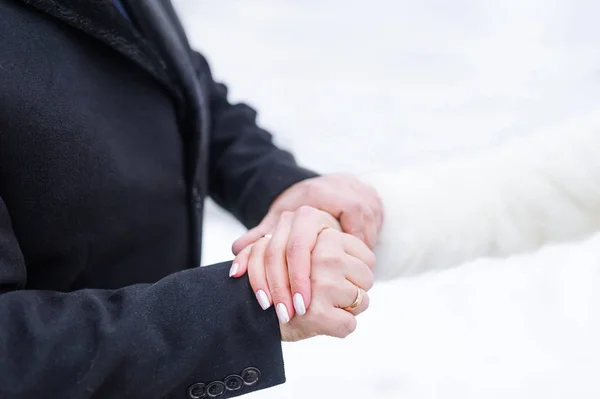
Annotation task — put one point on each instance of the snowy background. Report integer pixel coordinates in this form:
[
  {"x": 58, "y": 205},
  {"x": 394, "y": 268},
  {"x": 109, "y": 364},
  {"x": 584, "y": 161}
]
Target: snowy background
[{"x": 355, "y": 86}]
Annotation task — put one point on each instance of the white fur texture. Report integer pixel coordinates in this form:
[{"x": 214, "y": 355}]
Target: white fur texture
[{"x": 536, "y": 190}]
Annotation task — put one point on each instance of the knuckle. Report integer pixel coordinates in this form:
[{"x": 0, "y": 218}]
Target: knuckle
[
  {"x": 299, "y": 281},
  {"x": 295, "y": 247},
  {"x": 326, "y": 259},
  {"x": 279, "y": 292},
  {"x": 334, "y": 260},
  {"x": 255, "y": 251},
  {"x": 274, "y": 250},
  {"x": 316, "y": 276},
  {"x": 329, "y": 220},
  {"x": 355, "y": 205},
  {"x": 369, "y": 214},
  {"x": 346, "y": 327},
  {"x": 271, "y": 255},
  {"x": 318, "y": 313},
  {"x": 329, "y": 234},
  {"x": 323, "y": 283},
  {"x": 364, "y": 209},
  {"x": 371, "y": 260}
]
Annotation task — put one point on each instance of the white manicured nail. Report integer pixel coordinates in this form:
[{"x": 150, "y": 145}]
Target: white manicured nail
[
  {"x": 262, "y": 299},
  {"x": 234, "y": 269},
  {"x": 299, "y": 304},
  {"x": 282, "y": 313}
]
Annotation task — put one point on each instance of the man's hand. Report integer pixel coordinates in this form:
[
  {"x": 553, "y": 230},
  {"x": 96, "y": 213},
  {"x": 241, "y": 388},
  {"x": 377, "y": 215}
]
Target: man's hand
[{"x": 355, "y": 204}]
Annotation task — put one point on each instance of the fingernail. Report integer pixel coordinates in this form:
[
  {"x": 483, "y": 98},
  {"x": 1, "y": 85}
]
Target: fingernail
[
  {"x": 299, "y": 304},
  {"x": 282, "y": 313},
  {"x": 234, "y": 269},
  {"x": 262, "y": 299}
]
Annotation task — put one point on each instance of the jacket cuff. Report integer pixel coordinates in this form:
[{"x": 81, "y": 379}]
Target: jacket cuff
[
  {"x": 270, "y": 183},
  {"x": 253, "y": 334}
]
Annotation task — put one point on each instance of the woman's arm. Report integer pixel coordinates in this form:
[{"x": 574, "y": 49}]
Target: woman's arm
[{"x": 532, "y": 191}]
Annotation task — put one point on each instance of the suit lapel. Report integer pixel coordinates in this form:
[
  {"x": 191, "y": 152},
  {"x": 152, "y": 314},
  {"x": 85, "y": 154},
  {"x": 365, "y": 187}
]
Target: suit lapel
[{"x": 103, "y": 21}]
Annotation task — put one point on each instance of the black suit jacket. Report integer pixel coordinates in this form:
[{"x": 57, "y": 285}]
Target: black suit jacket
[{"x": 104, "y": 139}]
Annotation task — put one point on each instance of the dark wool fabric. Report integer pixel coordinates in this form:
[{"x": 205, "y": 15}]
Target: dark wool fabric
[{"x": 100, "y": 296}]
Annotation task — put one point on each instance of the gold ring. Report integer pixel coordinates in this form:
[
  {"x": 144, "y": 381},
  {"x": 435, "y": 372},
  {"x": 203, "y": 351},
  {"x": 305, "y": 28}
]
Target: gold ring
[{"x": 357, "y": 301}]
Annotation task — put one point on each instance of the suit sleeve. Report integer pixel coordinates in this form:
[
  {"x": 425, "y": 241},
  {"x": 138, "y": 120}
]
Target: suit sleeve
[
  {"x": 247, "y": 171},
  {"x": 196, "y": 331}
]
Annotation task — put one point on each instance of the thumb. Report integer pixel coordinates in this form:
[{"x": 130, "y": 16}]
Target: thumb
[{"x": 265, "y": 227}]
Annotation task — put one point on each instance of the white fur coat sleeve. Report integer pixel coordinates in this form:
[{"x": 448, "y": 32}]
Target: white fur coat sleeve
[{"x": 535, "y": 190}]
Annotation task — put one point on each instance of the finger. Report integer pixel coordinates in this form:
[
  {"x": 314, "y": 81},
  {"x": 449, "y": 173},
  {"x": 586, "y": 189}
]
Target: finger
[
  {"x": 358, "y": 272},
  {"x": 256, "y": 272},
  {"x": 276, "y": 269},
  {"x": 371, "y": 195},
  {"x": 239, "y": 266},
  {"x": 364, "y": 304},
  {"x": 371, "y": 233},
  {"x": 358, "y": 249},
  {"x": 370, "y": 229},
  {"x": 330, "y": 241},
  {"x": 376, "y": 206},
  {"x": 352, "y": 217},
  {"x": 341, "y": 202},
  {"x": 308, "y": 223},
  {"x": 380, "y": 210},
  {"x": 253, "y": 235},
  {"x": 345, "y": 294},
  {"x": 374, "y": 217}
]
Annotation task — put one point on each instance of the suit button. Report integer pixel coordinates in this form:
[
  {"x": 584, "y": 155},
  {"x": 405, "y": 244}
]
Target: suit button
[
  {"x": 251, "y": 375},
  {"x": 234, "y": 382},
  {"x": 215, "y": 388},
  {"x": 197, "y": 391}
]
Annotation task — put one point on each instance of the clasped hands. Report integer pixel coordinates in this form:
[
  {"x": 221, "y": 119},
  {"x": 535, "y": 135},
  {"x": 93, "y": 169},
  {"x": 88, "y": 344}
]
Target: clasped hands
[{"x": 311, "y": 256}]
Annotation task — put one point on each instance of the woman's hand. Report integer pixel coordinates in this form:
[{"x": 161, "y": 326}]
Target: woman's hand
[
  {"x": 340, "y": 276},
  {"x": 279, "y": 264},
  {"x": 341, "y": 266}
]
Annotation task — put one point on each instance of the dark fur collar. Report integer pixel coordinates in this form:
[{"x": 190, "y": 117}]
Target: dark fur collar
[{"x": 101, "y": 19}]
